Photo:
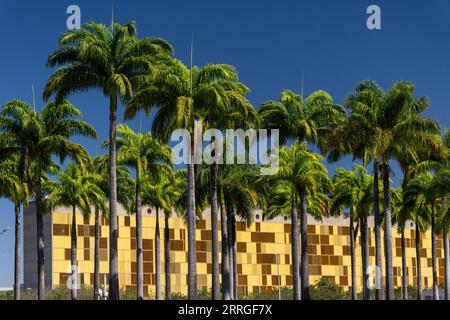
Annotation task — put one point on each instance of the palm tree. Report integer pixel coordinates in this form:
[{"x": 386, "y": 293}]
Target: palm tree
[
  {"x": 354, "y": 190},
  {"x": 187, "y": 98},
  {"x": 125, "y": 195},
  {"x": 35, "y": 137},
  {"x": 304, "y": 173},
  {"x": 302, "y": 120},
  {"x": 354, "y": 135},
  {"x": 98, "y": 200},
  {"x": 111, "y": 59},
  {"x": 403, "y": 131},
  {"x": 240, "y": 114},
  {"x": 400, "y": 212},
  {"x": 384, "y": 126},
  {"x": 15, "y": 190},
  {"x": 400, "y": 215},
  {"x": 419, "y": 216},
  {"x": 76, "y": 189},
  {"x": 161, "y": 193},
  {"x": 237, "y": 195},
  {"x": 446, "y": 224},
  {"x": 299, "y": 118},
  {"x": 172, "y": 191},
  {"x": 430, "y": 191},
  {"x": 142, "y": 153},
  {"x": 238, "y": 185}
]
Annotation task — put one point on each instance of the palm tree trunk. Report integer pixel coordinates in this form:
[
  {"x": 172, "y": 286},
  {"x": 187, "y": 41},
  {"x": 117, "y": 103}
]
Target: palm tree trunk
[
  {"x": 192, "y": 259},
  {"x": 377, "y": 223},
  {"x": 233, "y": 254},
  {"x": 139, "y": 252},
  {"x": 226, "y": 292},
  {"x": 40, "y": 244},
  {"x": 388, "y": 234},
  {"x": 404, "y": 267},
  {"x": 295, "y": 250},
  {"x": 214, "y": 234},
  {"x": 353, "y": 256},
  {"x": 304, "y": 266},
  {"x": 365, "y": 256},
  {"x": 73, "y": 256},
  {"x": 230, "y": 250},
  {"x": 97, "y": 255},
  {"x": 447, "y": 264},
  {"x": 418, "y": 263},
  {"x": 114, "y": 293},
  {"x": 167, "y": 255},
  {"x": 17, "y": 253},
  {"x": 434, "y": 257},
  {"x": 157, "y": 258}
]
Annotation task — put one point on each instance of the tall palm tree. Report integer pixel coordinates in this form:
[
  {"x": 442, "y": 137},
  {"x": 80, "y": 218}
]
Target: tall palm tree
[
  {"x": 125, "y": 195},
  {"x": 98, "y": 200},
  {"x": 400, "y": 215},
  {"x": 187, "y": 98},
  {"x": 239, "y": 191},
  {"x": 303, "y": 171},
  {"x": 240, "y": 114},
  {"x": 302, "y": 119},
  {"x": 237, "y": 196},
  {"x": 403, "y": 131},
  {"x": 162, "y": 193},
  {"x": 156, "y": 192},
  {"x": 75, "y": 189},
  {"x": 299, "y": 118},
  {"x": 354, "y": 135},
  {"x": 400, "y": 212},
  {"x": 354, "y": 190},
  {"x": 385, "y": 126},
  {"x": 420, "y": 218},
  {"x": 445, "y": 226},
  {"x": 15, "y": 190},
  {"x": 145, "y": 155},
  {"x": 35, "y": 137},
  {"x": 445, "y": 223},
  {"x": 172, "y": 191},
  {"x": 429, "y": 190},
  {"x": 112, "y": 59}
]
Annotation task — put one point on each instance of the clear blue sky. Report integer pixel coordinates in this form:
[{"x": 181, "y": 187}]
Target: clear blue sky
[{"x": 272, "y": 43}]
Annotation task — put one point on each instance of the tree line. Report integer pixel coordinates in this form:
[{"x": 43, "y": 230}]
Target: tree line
[{"x": 373, "y": 126}]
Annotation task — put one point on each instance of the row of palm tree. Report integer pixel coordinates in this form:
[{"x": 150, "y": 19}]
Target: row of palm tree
[{"x": 373, "y": 126}]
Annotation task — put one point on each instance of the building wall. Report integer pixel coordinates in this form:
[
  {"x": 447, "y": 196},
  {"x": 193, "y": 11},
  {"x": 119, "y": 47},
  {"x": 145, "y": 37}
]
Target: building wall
[{"x": 257, "y": 247}]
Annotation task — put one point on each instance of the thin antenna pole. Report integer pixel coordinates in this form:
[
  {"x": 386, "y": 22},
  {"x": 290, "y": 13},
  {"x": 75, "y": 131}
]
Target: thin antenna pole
[
  {"x": 34, "y": 99},
  {"x": 112, "y": 17},
  {"x": 190, "y": 68},
  {"x": 301, "y": 92}
]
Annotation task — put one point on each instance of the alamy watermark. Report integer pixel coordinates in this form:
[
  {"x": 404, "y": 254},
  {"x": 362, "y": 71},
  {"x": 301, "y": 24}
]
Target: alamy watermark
[
  {"x": 229, "y": 146},
  {"x": 374, "y": 20}
]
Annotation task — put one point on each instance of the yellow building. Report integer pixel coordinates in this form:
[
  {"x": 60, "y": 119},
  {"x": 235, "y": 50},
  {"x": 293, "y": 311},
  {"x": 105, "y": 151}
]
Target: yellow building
[{"x": 262, "y": 249}]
